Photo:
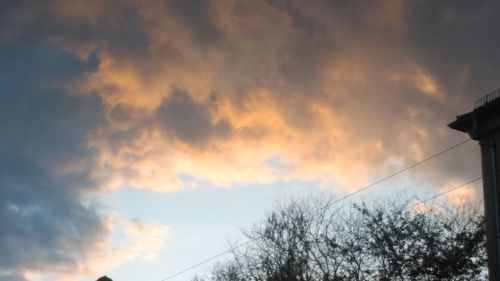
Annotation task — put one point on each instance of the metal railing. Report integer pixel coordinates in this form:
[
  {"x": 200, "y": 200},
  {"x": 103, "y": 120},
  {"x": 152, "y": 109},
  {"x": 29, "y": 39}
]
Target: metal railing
[{"x": 488, "y": 98}]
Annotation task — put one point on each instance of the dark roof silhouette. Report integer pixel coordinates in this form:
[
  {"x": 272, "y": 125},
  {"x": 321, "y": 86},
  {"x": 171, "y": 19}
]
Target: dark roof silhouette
[{"x": 105, "y": 278}]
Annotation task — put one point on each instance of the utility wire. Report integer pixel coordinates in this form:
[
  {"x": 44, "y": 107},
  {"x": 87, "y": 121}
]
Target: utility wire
[
  {"x": 247, "y": 242},
  {"x": 444, "y": 192},
  {"x": 344, "y": 198},
  {"x": 399, "y": 172},
  {"x": 205, "y": 261}
]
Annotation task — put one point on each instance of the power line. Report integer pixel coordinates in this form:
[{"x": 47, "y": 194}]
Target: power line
[
  {"x": 445, "y": 192},
  {"x": 345, "y": 197},
  {"x": 247, "y": 242},
  {"x": 205, "y": 261},
  {"x": 400, "y": 171}
]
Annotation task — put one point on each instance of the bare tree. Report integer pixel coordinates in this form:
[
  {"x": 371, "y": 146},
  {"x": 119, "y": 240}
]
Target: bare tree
[{"x": 314, "y": 240}]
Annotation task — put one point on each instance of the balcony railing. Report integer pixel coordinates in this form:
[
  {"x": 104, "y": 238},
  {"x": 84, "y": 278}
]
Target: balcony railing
[{"x": 488, "y": 98}]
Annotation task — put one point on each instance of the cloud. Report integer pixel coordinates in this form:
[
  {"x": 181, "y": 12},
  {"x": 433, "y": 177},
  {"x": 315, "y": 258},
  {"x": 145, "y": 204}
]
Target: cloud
[
  {"x": 50, "y": 223},
  {"x": 128, "y": 240},
  {"x": 105, "y": 94},
  {"x": 347, "y": 58},
  {"x": 334, "y": 90},
  {"x": 45, "y": 223},
  {"x": 190, "y": 122}
]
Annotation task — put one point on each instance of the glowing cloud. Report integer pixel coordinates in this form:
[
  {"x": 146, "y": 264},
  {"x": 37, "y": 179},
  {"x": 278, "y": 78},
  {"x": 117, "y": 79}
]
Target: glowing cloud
[{"x": 105, "y": 94}]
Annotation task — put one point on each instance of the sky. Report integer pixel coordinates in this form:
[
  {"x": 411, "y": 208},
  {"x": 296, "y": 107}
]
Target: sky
[{"x": 138, "y": 138}]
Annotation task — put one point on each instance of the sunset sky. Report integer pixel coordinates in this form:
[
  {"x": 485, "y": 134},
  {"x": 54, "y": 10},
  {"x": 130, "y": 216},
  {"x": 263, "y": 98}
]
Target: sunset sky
[{"x": 138, "y": 138}]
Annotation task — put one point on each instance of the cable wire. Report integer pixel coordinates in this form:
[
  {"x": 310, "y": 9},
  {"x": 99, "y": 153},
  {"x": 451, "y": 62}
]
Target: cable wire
[
  {"x": 247, "y": 242},
  {"x": 444, "y": 192},
  {"x": 344, "y": 198},
  {"x": 400, "y": 171},
  {"x": 205, "y": 261}
]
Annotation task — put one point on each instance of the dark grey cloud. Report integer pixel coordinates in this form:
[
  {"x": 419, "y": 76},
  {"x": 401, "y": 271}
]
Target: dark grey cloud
[
  {"x": 20, "y": 17},
  {"x": 12, "y": 277},
  {"x": 196, "y": 15},
  {"x": 44, "y": 163},
  {"x": 458, "y": 43},
  {"x": 189, "y": 121},
  {"x": 103, "y": 25},
  {"x": 453, "y": 37}
]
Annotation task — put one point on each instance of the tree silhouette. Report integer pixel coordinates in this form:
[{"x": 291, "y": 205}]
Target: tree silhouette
[{"x": 312, "y": 240}]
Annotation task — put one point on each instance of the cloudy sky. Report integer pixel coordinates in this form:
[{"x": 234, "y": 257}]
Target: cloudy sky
[{"x": 138, "y": 137}]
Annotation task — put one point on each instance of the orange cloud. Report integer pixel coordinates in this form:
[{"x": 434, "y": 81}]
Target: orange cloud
[
  {"x": 332, "y": 99},
  {"x": 463, "y": 196},
  {"x": 428, "y": 85}
]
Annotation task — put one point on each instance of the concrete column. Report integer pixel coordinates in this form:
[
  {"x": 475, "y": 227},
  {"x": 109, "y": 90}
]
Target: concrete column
[
  {"x": 489, "y": 156},
  {"x": 483, "y": 124}
]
